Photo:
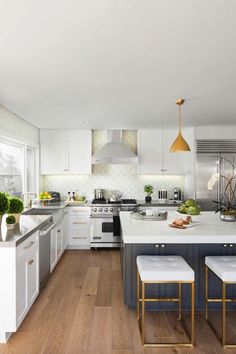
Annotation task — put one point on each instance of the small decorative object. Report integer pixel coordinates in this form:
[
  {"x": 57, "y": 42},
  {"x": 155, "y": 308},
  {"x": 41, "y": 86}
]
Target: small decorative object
[
  {"x": 4, "y": 204},
  {"x": 11, "y": 222},
  {"x": 227, "y": 205},
  {"x": 180, "y": 144},
  {"x": 15, "y": 208},
  {"x": 148, "y": 189}
]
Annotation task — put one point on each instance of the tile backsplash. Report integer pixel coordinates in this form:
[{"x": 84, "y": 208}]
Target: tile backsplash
[{"x": 112, "y": 177}]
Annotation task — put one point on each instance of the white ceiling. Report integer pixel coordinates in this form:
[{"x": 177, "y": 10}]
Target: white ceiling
[{"x": 118, "y": 63}]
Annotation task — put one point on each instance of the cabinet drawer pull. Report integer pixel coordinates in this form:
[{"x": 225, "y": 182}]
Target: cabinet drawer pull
[
  {"x": 231, "y": 246},
  {"x": 66, "y": 169},
  {"x": 80, "y": 211},
  {"x": 31, "y": 262},
  {"x": 80, "y": 237},
  {"x": 163, "y": 246},
  {"x": 225, "y": 245},
  {"x": 79, "y": 222},
  {"x": 58, "y": 230},
  {"x": 157, "y": 246},
  {"x": 30, "y": 245}
]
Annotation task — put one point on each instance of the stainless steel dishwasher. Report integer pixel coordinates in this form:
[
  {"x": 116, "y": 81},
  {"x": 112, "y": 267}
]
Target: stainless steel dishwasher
[{"x": 44, "y": 252}]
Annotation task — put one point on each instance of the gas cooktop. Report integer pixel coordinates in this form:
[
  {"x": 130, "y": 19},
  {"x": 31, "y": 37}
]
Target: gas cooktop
[{"x": 118, "y": 202}]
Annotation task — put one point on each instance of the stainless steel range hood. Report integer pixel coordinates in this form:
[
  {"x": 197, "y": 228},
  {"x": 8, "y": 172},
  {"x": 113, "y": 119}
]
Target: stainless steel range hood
[{"x": 114, "y": 152}]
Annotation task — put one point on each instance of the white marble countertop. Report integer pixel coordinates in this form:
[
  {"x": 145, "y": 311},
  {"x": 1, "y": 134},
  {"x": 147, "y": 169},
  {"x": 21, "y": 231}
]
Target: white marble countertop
[
  {"x": 27, "y": 226},
  {"x": 210, "y": 230}
]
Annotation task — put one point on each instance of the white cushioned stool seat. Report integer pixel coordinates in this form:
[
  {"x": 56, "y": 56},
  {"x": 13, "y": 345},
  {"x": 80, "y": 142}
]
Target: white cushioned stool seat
[
  {"x": 223, "y": 266},
  {"x": 164, "y": 268}
]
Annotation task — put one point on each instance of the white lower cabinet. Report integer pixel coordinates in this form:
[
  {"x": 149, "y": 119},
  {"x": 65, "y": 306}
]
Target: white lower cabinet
[
  {"x": 79, "y": 228},
  {"x": 27, "y": 277},
  {"x": 53, "y": 252},
  {"x": 58, "y": 241},
  {"x": 19, "y": 276}
]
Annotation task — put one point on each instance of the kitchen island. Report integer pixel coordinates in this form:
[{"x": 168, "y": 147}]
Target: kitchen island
[{"x": 210, "y": 237}]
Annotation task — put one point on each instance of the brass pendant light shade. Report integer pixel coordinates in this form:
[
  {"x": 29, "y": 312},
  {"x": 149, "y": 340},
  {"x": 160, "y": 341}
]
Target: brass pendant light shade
[{"x": 180, "y": 144}]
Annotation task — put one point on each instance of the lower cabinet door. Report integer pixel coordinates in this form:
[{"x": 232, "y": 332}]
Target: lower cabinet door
[
  {"x": 32, "y": 277},
  {"x": 59, "y": 241},
  {"x": 53, "y": 253},
  {"x": 21, "y": 290}
]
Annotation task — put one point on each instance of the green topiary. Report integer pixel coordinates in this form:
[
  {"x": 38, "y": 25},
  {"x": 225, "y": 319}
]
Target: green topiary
[
  {"x": 4, "y": 203},
  {"x": 10, "y": 220},
  {"x": 15, "y": 206},
  {"x": 148, "y": 189}
]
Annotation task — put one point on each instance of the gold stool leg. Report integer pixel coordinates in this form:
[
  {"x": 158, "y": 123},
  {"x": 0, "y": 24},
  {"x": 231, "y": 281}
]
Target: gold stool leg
[
  {"x": 143, "y": 312},
  {"x": 206, "y": 292},
  {"x": 180, "y": 301},
  {"x": 223, "y": 313},
  {"x": 193, "y": 314},
  {"x": 138, "y": 295}
]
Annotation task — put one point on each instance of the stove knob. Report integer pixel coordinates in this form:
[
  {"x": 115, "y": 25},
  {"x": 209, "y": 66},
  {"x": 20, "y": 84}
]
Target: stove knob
[
  {"x": 111, "y": 209},
  {"x": 106, "y": 209},
  {"x": 100, "y": 209},
  {"x": 95, "y": 209}
]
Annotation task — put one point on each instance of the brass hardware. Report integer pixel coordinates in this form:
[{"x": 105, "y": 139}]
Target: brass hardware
[
  {"x": 31, "y": 262},
  {"x": 179, "y": 300},
  {"x": 143, "y": 300},
  {"x": 224, "y": 301},
  {"x": 180, "y": 144},
  {"x": 29, "y": 245}
]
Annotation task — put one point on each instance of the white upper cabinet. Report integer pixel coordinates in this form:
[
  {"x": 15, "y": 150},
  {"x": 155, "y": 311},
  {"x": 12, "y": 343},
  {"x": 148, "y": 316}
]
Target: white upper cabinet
[
  {"x": 79, "y": 151},
  {"x": 155, "y": 156},
  {"x": 66, "y": 151},
  {"x": 53, "y": 151}
]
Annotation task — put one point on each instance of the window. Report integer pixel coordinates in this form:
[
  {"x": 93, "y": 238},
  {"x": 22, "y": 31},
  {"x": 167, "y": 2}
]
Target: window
[{"x": 17, "y": 168}]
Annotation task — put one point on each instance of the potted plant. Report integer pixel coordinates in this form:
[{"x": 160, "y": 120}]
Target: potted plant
[
  {"x": 11, "y": 222},
  {"x": 4, "y": 204},
  {"x": 15, "y": 208},
  {"x": 148, "y": 189},
  {"x": 227, "y": 205}
]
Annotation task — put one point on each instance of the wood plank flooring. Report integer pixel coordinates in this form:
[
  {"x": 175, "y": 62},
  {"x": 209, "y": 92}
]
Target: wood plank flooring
[{"x": 81, "y": 311}]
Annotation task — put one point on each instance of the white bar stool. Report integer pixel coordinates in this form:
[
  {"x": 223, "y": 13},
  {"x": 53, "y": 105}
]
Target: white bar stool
[
  {"x": 224, "y": 267},
  {"x": 163, "y": 270}
]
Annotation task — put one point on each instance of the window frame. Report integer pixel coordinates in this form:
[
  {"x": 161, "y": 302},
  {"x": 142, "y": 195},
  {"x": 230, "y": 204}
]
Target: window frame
[{"x": 25, "y": 146}]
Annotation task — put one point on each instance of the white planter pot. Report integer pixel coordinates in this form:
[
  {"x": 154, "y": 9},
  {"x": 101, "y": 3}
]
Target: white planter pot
[{"x": 10, "y": 226}]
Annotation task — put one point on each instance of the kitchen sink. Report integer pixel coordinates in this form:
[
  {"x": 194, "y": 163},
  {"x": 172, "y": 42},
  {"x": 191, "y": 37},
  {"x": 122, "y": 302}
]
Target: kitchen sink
[{"x": 37, "y": 211}]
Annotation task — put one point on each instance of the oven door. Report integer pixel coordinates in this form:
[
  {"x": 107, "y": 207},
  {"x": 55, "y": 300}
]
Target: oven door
[{"x": 102, "y": 233}]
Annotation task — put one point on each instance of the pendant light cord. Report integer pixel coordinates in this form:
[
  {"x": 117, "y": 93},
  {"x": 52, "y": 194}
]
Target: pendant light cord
[{"x": 180, "y": 119}]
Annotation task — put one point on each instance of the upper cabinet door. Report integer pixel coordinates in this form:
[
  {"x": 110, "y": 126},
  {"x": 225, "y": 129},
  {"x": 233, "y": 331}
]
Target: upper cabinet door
[
  {"x": 150, "y": 151},
  {"x": 79, "y": 151},
  {"x": 66, "y": 151},
  {"x": 53, "y": 151},
  {"x": 175, "y": 163},
  {"x": 155, "y": 156}
]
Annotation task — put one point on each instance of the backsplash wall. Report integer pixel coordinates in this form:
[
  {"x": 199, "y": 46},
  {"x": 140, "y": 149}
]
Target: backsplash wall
[{"x": 112, "y": 177}]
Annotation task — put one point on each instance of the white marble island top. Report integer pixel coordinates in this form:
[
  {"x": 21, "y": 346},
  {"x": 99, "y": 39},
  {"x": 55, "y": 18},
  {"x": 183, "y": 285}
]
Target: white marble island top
[{"x": 210, "y": 230}]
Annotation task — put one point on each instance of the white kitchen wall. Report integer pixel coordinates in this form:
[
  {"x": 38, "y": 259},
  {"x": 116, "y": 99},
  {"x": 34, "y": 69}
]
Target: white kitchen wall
[
  {"x": 119, "y": 177},
  {"x": 13, "y": 126}
]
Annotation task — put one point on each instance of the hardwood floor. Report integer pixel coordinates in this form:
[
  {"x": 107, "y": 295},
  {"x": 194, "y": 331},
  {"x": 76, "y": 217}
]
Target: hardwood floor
[{"x": 81, "y": 311}]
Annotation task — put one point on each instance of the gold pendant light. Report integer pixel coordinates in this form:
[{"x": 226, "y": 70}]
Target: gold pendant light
[{"x": 180, "y": 144}]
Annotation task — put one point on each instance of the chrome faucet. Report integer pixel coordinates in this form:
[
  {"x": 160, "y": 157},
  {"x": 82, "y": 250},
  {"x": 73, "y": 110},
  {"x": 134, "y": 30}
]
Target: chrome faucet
[{"x": 28, "y": 203}]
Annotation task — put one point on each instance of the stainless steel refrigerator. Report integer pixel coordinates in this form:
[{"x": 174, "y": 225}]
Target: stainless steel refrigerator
[{"x": 214, "y": 158}]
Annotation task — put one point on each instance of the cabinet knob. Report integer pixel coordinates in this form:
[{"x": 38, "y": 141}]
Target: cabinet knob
[
  {"x": 231, "y": 246},
  {"x": 163, "y": 246},
  {"x": 31, "y": 262},
  {"x": 157, "y": 246},
  {"x": 225, "y": 245}
]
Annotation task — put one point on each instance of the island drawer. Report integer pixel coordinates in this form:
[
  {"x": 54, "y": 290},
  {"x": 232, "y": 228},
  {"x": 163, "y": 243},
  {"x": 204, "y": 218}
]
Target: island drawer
[{"x": 27, "y": 246}]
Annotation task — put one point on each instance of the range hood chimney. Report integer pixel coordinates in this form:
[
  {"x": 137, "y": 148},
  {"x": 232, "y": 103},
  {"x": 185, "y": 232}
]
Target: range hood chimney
[{"x": 114, "y": 152}]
